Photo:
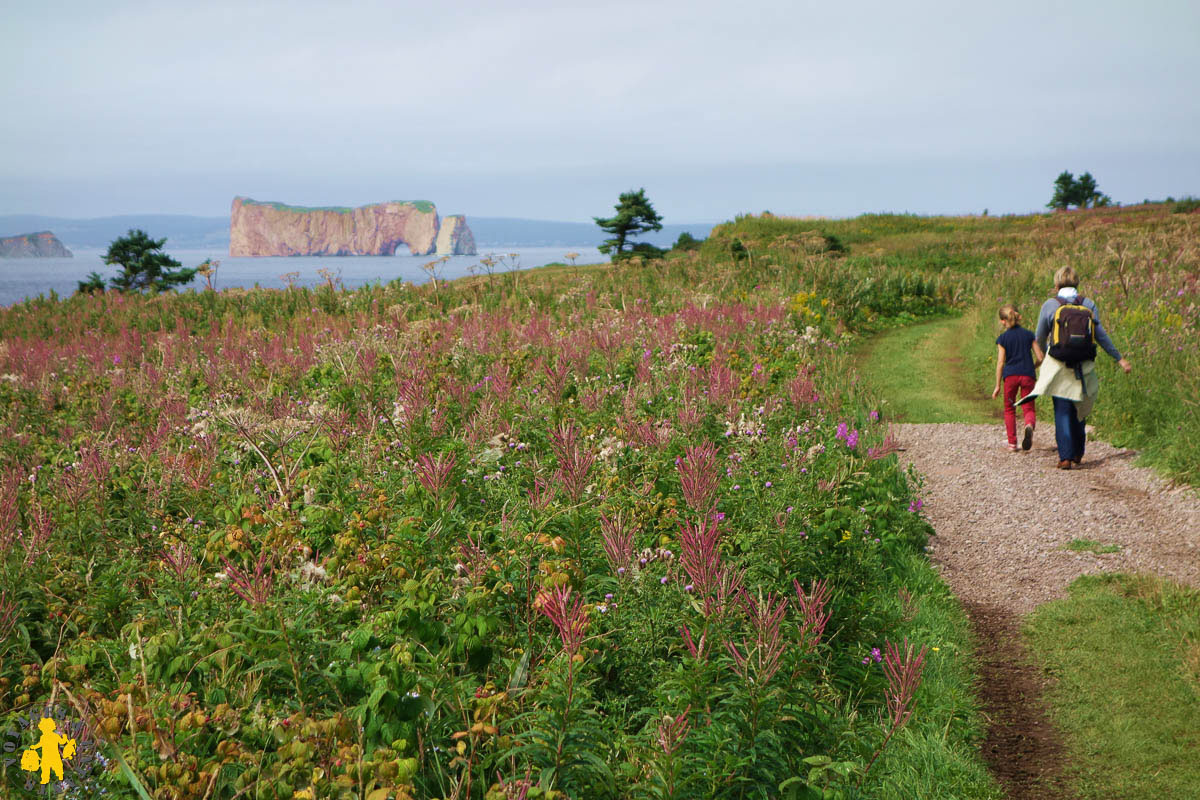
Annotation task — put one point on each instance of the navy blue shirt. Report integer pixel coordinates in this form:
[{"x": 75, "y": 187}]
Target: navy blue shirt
[{"x": 1018, "y": 351}]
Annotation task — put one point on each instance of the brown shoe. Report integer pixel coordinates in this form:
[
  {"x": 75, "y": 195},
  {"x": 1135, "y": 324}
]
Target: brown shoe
[
  {"x": 1077, "y": 460},
  {"x": 1064, "y": 465}
]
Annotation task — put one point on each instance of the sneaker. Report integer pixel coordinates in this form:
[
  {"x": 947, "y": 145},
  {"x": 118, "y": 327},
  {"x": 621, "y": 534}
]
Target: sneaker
[
  {"x": 1012, "y": 448},
  {"x": 1027, "y": 438},
  {"x": 1064, "y": 465}
]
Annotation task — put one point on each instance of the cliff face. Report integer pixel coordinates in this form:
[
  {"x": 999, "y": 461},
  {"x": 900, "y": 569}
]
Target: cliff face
[
  {"x": 34, "y": 245},
  {"x": 273, "y": 229},
  {"x": 454, "y": 237}
]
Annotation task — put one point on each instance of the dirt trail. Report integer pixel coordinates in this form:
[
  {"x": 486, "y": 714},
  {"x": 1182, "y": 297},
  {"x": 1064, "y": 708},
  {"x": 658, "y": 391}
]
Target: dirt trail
[{"x": 1003, "y": 521}]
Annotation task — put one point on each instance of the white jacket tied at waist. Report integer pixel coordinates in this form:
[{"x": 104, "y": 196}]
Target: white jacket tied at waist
[{"x": 1058, "y": 380}]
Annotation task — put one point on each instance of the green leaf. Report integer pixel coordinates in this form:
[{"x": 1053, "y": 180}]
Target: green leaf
[
  {"x": 520, "y": 674},
  {"x": 130, "y": 776}
]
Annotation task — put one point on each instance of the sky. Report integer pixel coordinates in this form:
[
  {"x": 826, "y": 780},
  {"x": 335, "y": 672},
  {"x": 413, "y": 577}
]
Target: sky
[{"x": 548, "y": 110}]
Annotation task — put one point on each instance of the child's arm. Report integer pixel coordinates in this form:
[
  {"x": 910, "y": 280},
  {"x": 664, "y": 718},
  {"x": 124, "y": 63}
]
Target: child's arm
[
  {"x": 999, "y": 369},
  {"x": 1038, "y": 355}
]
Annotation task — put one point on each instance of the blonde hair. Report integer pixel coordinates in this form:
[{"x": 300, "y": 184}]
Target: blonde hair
[
  {"x": 1066, "y": 276},
  {"x": 1009, "y": 314}
]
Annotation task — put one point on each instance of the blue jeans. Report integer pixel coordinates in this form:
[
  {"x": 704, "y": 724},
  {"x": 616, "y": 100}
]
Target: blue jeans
[{"x": 1068, "y": 430}]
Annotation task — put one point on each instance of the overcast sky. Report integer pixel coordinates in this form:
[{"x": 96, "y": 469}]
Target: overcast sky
[{"x": 548, "y": 110}]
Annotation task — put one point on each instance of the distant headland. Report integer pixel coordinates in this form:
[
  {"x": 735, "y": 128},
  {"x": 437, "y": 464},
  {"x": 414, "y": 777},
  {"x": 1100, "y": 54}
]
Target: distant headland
[
  {"x": 275, "y": 229},
  {"x": 42, "y": 244}
]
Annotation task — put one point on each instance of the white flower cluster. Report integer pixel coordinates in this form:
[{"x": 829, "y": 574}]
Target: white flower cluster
[
  {"x": 746, "y": 428},
  {"x": 610, "y": 448}
]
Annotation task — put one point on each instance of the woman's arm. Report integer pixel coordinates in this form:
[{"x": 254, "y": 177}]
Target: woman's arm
[
  {"x": 999, "y": 369},
  {"x": 1038, "y": 355},
  {"x": 1103, "y": 339},
  {"x": 1043, "y": 326}
]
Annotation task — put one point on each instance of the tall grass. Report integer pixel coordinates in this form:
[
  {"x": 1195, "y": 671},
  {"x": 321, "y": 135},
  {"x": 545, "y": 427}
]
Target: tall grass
[{"x": 1139, "y": 264}]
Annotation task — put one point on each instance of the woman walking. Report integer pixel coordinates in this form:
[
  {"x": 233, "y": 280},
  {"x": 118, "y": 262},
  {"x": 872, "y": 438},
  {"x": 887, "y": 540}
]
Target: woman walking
[{"x": 1068, "y": 331}]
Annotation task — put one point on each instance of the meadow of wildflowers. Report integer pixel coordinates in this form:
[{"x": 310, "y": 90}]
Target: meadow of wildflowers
[{"x": 610, "y": 532}]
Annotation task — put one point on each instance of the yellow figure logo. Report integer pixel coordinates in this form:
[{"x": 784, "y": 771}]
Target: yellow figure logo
[{"x": 50, "y": 760}]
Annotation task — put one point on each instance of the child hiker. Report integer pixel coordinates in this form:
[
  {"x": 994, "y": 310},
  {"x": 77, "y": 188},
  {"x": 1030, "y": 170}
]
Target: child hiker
[{"x": 1017, "y": 353}]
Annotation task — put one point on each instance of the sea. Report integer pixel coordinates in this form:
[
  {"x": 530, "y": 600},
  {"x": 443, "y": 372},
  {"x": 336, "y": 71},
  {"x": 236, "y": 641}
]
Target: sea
[{"x": 28, "y": 278}]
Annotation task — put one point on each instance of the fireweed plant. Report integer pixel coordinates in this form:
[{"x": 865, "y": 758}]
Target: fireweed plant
[{"x": 620, "y": 532}]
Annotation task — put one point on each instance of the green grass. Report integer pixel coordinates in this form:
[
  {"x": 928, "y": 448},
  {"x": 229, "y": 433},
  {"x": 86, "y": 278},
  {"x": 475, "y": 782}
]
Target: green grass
[
  {"x": 1090, "y": 546},
  {"x": 1125, "y": 653},
  {"x": 919, "y": 370},
  {"x": 937, "y": 755}
]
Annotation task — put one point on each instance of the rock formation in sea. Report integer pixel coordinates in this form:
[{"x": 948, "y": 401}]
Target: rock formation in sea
[
  {"x": 275, "y": 229},
  {"x": 454, "y": 237},
  {"x": 43, "y": 244}
]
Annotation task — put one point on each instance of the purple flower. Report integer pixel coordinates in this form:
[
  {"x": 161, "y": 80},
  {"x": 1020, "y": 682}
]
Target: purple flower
[
  {"x": 875, "y": 654},
  {"x": 608, "y": 596},
  {"x": 842, "y": 430},
  {"x": 663, "y": 580},
  {"x": 768, "y": 484},
  {"x": 874, "y": 416},
  {"x": 687, "y": 588},
  {"x": 116, "y": 359},
  {"x": 620, "y": 570},
  {"x": 852, "y": 439}
]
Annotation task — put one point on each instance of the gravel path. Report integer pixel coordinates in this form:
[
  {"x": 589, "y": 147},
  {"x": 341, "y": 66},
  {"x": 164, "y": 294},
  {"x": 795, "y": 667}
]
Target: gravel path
[{"x": 1003, "y": 519}]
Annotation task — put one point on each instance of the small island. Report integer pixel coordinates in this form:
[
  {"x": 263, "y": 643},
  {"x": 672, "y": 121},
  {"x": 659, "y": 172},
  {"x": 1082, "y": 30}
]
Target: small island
[{"x": 42, "y": 244}]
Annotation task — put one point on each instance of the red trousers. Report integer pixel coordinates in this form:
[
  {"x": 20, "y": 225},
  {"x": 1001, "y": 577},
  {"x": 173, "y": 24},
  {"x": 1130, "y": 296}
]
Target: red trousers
[{"x": 1011, "y": 384}]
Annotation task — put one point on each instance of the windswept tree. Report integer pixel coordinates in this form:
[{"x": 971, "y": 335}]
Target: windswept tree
[
  {"x": 634, "y": 215},
  {"x": 1081, "y": 192},
  {"x": 1064, "y": 188},
  {"x": 1087, "y": 194},
  {"x": 144, "y": 265}
]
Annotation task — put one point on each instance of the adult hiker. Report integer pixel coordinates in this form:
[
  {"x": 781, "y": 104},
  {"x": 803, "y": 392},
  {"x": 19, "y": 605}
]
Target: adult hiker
[{"x": 1070, "y": 323}]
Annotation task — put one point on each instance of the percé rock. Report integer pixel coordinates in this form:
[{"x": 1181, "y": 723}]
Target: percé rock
[
  {"x": 275, "y": 229},
  {"x": 454, "y": 237},
  {"x": 43, "y": 244}
]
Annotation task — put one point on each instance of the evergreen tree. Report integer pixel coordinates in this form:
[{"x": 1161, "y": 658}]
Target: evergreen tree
[
  {"x": 1087, "y": 194},
  {"x": 1081, "y": 192},
  {"x": 1064, "y": 192},
  {"x": 634, "y": 215},
  {"x": 94, "y": 283},
  {"x": 143, "y": 264}
]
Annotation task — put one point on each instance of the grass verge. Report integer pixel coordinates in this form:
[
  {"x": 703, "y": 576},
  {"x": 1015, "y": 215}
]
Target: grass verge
[
  {"x": 1125, "y": 653},
  {"x": 919, "y": 370},
  {"x": 937, "y": 754}
]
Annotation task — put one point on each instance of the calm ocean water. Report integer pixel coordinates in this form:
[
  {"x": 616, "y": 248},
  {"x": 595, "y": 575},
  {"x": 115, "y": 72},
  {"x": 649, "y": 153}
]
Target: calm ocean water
[{"x": 22, "y": 278}]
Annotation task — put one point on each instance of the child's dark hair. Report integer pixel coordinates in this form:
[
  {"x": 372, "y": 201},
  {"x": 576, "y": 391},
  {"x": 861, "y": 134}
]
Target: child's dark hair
[{"x": 1009, "y": 313}]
